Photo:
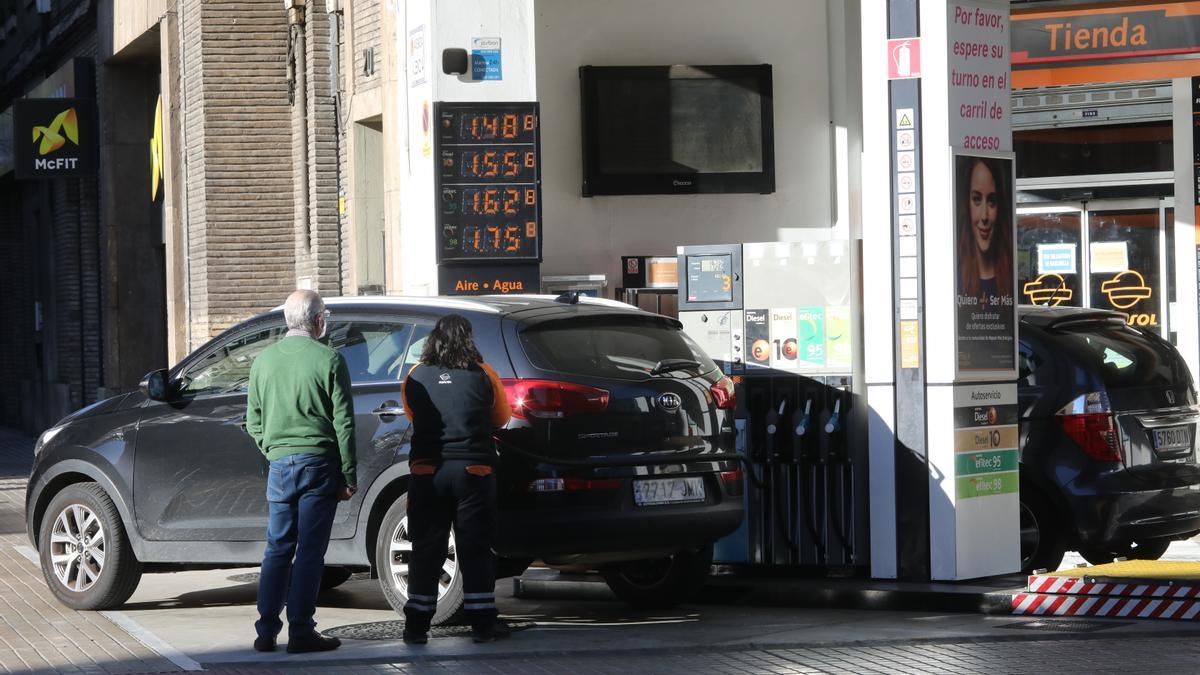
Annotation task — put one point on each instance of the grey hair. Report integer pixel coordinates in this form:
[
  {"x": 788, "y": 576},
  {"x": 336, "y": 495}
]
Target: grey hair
[{"x": 302, "y": 309}]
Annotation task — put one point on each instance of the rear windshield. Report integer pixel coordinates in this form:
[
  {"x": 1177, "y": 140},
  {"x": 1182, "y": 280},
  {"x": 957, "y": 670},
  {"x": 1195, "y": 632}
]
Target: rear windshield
[
  {"x": 621, "y": 348},
  {"x": 1125, "y": 357}
]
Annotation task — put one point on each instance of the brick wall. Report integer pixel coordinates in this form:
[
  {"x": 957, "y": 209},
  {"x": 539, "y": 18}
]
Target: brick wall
[
  {"x": 238, "y": 160},
  {"x": 367, "y": 35},
  {"x": 319, "y": 257}
]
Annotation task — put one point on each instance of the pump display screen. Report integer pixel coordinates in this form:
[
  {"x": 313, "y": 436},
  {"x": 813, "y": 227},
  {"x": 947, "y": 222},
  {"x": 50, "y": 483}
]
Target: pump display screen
[
  {"x": 488, "y": 182},
  {"x": 709, "y": 278}
]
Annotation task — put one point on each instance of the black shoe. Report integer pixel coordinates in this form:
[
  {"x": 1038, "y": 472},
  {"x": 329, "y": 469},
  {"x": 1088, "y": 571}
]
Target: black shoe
[
  {"x": 264, "y": 643},
  {"x": 496, "y": 630},
  {"x": 415, "y": 637},
  {"x": 314, "y": 642}
]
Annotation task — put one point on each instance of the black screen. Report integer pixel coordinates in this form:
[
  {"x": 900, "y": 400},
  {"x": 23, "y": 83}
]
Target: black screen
[{"x": 674, "y": 126}]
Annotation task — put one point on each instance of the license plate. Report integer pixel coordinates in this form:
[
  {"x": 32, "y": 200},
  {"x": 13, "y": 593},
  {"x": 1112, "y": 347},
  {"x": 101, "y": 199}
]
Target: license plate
[
  {"x": 668, "y": 491},
  {"x": 1173, "y": 438}
]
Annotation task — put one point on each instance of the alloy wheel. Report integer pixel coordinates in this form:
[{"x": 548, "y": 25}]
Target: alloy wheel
[
  {"x": 400, "y": 550},
  {"x": 77, "y": 548}
]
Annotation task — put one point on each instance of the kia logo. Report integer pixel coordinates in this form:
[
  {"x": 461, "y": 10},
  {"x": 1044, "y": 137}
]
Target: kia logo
[{"x": 670, "y": 402}]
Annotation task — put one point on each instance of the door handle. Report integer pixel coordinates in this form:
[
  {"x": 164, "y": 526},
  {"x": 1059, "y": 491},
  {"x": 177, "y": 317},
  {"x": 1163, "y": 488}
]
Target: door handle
[{"x": 388, "y": 409}]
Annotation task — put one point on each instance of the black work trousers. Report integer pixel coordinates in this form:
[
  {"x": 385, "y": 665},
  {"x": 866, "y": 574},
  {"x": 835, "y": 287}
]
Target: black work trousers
[{"x": 452, "y": 496}]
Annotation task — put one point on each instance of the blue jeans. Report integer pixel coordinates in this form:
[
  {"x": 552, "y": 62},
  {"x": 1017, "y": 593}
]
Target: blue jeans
[{"x": 302, "y": 494}]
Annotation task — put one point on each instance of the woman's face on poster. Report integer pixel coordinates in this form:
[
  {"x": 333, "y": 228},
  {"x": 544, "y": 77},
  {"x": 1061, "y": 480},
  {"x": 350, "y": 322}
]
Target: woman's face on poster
[{"x": 984, "y": 206}]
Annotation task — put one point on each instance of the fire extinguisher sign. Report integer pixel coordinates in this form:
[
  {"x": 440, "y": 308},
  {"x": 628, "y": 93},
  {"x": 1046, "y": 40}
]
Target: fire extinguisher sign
[{"x": 904, "y": 58}]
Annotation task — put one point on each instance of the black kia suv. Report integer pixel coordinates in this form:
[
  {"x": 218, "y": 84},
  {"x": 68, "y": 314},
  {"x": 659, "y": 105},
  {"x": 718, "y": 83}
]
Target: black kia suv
[
  {"x": 1108, "y": 439},
  {"x": 619, "y": 455}
]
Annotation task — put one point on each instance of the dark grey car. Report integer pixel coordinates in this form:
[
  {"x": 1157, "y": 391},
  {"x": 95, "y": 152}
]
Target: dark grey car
[{"x": 619, "y": 455}]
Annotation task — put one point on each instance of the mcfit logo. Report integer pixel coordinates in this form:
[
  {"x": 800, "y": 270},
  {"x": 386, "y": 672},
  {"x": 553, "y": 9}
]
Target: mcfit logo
[
  {"x": 65, "y": 127},
  {"x": 54, "y": 137}
]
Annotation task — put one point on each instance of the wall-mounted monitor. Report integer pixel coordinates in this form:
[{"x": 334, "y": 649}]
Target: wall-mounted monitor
[{"x": 677, "y": 129}]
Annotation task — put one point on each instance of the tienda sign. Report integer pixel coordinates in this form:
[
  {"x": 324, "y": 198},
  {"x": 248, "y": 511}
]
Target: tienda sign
[
  {"x": 1105, "y": 33},
  {"x": 54, "y": 137}
]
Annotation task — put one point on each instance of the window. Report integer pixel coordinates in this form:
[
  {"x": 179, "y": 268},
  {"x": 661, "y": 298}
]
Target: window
[
  {"x": 227, "y": 368},
  {"x": 1125, "y": 357},
  {"x": 613, "y": 348},
  {"x": 374, "y": 350},
  {"x": 413, "y": 357}
]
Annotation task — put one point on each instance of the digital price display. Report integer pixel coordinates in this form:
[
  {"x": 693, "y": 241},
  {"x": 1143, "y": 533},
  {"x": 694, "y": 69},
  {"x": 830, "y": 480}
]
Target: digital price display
[
  {"x": 488, "y": 182},
  {"x": 709, "y": 278}
]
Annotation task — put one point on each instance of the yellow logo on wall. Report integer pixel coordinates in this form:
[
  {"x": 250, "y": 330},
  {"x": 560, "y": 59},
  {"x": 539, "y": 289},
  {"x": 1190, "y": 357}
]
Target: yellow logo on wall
[
  {"x": 66, "y": 123},
  {"x": 156, "y": 152},
  {"x": 1126, "y": 289},
  {"x": 1048, "y": 287}
]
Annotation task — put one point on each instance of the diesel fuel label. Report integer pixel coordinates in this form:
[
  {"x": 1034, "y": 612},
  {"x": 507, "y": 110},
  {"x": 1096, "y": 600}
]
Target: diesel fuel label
[{"x": 985, "y": 440}]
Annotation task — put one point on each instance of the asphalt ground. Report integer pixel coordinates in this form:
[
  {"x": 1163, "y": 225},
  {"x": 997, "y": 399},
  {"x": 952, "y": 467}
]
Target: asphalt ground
[{"x": 202, "y": 620}]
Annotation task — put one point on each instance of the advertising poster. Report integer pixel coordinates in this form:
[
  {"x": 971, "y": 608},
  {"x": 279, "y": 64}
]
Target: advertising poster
[
  {"x": 985, "y": 303},
  {"x": 783, "y": 338},
  {"x": 758, "y": 339},
  {"x": 810, "y": 329},
  {"x": 837, "y": 337}
]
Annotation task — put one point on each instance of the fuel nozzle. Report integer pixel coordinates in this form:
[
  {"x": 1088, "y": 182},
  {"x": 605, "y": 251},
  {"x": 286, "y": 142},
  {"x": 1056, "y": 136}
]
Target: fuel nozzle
[
  {"x": 835, "y": 420},
  {"x": 772, "y": 420},
  {"x": 801, "y": 419}
]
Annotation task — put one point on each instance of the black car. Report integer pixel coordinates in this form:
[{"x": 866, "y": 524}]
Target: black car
[
  {"x": 619, "y": 455},
  {"x": 1108, "y": 439}
]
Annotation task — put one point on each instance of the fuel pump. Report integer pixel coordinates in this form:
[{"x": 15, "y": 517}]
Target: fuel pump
[{"x": 777, "y": 317}]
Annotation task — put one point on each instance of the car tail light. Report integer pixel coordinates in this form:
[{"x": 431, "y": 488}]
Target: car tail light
[
  {"x": 1090, "y": 422},
  {"x": 553, "y": 399},
  {"x": 573, "y": 484},
  {"x": 724, "y": 394},
  {"x": 733, "y": 482}
]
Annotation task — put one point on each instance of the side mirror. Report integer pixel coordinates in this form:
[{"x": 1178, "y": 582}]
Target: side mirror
[{"x": 155, "y": 385}]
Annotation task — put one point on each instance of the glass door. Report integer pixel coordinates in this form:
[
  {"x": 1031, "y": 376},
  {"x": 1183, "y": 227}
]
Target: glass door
[
  {"x": 1049, "y": 260},
  {"x": 1114, "y": 254},
  {"x": 1127, "y": 250}
]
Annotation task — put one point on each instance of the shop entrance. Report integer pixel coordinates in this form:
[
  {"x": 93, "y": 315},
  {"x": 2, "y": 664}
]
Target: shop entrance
[{"x": 1109, "y": 254}]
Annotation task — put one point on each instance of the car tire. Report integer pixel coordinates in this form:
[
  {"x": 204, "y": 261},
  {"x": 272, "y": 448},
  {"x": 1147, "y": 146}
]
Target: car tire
[
  {"x": 84, "y": 550},
  {"x": 1150, "y": 549},
  {"x": 1041, "y": 534},
  {"x": 393, "y": 551},
  {"x": 660, "y": 583},
  {"x": 333, "y": 577}
]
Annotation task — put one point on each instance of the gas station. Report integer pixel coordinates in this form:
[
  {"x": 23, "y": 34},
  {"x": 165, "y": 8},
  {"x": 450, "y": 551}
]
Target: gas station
[
  {"x": 794, "y": 187},
  {"x": 798, "y": 182}
]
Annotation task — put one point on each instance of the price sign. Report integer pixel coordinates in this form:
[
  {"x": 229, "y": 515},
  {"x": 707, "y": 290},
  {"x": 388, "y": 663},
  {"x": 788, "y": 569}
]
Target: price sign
[{"x": 488, "y": 182}]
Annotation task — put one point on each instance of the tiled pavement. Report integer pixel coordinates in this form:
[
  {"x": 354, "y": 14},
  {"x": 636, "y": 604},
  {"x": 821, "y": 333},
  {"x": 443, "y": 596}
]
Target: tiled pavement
[
  {"x": 1092, "y": 655},
  {"x": 37, "y": 634}
]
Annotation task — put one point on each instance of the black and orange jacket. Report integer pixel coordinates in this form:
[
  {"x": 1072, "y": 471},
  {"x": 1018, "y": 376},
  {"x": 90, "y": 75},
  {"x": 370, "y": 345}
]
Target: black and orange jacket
[{"x": 453, "y": 412}]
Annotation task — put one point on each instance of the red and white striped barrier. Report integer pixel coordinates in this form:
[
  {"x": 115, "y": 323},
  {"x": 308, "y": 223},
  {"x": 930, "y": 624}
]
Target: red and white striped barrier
[
  {"x": 1042, "y": 604},
  {"x": 1082, "y": 586}
]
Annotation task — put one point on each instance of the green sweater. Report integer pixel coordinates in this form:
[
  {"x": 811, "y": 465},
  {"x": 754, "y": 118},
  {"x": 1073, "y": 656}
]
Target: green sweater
[{"x": 300, "y": 402}]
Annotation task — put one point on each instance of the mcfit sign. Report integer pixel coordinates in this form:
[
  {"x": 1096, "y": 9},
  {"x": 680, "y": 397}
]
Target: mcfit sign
[{"x": 55, "y": 137}]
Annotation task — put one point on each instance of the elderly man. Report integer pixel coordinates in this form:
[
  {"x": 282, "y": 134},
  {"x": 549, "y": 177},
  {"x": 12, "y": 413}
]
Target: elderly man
[{"x": 300, "y": 412}]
